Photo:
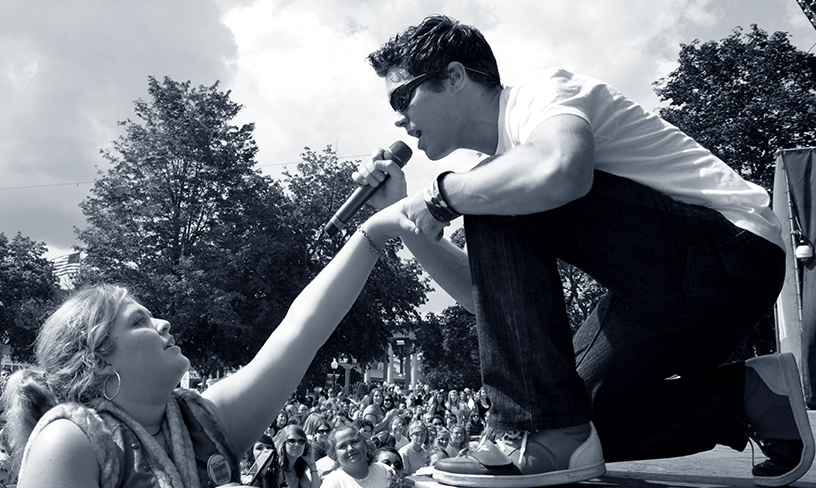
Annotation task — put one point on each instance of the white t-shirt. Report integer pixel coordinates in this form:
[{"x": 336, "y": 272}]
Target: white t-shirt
[
  {"x": 638, "y": 145},
  {"x": 379, "y": 476}
]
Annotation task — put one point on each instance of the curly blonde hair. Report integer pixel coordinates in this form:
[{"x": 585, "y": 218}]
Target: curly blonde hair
[{"x": 69, "y": 351}]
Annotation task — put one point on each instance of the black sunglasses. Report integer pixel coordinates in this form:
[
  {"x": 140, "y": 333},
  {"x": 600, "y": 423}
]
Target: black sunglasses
[
  {"x": 401, "y": 96},
  {"x": 323, "y": 431},
  {"x": 296, "y": 442},
  {"x": 395, "y": 464}
]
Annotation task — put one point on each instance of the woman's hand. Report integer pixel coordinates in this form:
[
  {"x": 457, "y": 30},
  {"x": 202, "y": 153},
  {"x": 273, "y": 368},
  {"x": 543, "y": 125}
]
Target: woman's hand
[
  {"x": 391, "y": 414},
  {"x": 387, "y": 223},
  {"x": 309, "y": 458},
  {"x": 416, "y": 210},
  {"x": 373, "y": 171}
]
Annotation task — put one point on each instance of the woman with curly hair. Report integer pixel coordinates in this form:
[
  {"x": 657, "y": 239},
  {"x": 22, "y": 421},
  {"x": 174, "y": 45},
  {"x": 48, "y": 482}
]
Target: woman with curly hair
[{"x": 101, "y": 408}]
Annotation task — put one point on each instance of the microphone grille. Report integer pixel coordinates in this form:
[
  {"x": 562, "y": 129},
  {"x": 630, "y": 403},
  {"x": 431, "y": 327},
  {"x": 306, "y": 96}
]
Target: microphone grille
[{"x": 400, "y": 153}]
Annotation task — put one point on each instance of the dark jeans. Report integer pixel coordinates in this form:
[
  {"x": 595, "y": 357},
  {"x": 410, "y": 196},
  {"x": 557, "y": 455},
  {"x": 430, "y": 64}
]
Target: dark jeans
[{"x": 685, "y": 287}]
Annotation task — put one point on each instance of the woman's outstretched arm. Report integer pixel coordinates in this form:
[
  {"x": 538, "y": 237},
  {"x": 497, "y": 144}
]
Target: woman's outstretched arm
[{"x": 247, "y": 401}]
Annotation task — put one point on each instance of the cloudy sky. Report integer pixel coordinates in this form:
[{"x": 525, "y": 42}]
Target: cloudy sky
[{"x": 70, "y": 69}]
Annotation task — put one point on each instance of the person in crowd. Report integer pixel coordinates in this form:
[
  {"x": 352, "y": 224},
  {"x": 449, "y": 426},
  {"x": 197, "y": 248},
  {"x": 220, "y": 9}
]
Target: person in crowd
[
  {"x": 435, "y": 454},
  {"x": 281, "y": 421},
  {"x": 341, "y": 419},
  {"x": 483, "y": 403},
  {"x": 398, "y": 431},
  {"x": 455, "y": 406},
  {"x": 413, "y": 455},
  {"x": 321, "y": 397},
  {"x": 367, "y": 431},
  {"x": 356, "y": 469},
  {"x": 391, "y": 457},
  {"x": 101, "y": 408},
  {"x": 268, "y": 475},
  {"x": 325, "y": 464},
  {"x": 434, "y": 423},
  {"x": 310, "y": 424},
  {"x": 365, "y": 427},
  {"x": 468, "y": 400},
  {"x": 303, "y": 413},
  {"x": 436, "y": 405},
  {"x": 451, "y": 419},
  {"x": 442, "y": 439},
  {"x": 376, "y": 415},
  {"x": 684, "y": 245},
  {"x": 331, "y": 398},
  {"x": 383, "y": 439},
  {"x": 291, "y": 409},
  {"x": 296, "y": 459},
  {"x": 388, "y": 404},
  {"x": 458, "y": 442},
  {"x": 476, "y": 426},
  {"x": 320, "y": 444}
]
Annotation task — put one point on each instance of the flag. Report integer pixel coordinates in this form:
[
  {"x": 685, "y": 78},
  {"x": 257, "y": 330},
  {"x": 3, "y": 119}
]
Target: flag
[{"x": 65, "y": 268}]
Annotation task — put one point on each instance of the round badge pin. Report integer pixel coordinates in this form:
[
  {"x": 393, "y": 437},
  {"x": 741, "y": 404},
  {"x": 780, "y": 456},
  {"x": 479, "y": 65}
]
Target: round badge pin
[{"x": 218, "y": 469}]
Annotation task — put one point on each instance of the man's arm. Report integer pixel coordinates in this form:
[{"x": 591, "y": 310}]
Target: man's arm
[{"x": 552, "y": 169}]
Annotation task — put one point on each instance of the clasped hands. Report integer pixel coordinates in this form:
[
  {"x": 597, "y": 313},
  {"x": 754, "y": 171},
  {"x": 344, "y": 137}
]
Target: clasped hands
[{"x": 412, "y": 210}]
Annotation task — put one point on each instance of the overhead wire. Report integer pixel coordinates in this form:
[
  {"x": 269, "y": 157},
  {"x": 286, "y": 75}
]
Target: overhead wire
[{"x": 77, "y": 183}]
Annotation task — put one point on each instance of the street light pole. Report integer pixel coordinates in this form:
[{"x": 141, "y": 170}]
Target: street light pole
[{"x": 334, "y": 366}]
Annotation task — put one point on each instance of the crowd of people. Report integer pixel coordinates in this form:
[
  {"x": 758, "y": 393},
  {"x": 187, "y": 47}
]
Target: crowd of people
[{"x": 406, "y": 431}]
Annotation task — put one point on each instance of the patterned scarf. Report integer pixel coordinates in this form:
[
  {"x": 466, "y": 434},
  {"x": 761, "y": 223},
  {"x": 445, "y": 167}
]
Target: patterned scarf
[{"x": 178, "y": 469}]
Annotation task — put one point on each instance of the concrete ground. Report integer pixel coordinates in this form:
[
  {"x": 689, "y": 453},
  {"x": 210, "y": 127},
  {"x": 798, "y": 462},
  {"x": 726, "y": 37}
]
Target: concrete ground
[{"x": 719, "y": 468}]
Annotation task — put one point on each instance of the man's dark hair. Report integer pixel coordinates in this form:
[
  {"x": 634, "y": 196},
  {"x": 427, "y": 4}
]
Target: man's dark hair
[{"x": 433, "y": 44}]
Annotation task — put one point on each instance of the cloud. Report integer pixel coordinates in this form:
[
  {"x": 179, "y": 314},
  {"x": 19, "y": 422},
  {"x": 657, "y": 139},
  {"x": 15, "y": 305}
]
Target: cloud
[{"x": 70, "y": 71}]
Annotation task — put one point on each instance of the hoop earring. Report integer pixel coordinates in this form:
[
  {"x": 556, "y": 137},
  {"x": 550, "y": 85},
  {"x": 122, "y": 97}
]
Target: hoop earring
[{"x": 118, "y": 386}]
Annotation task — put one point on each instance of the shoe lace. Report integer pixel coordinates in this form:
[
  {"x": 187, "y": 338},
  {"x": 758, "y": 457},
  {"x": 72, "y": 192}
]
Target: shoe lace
[
  {"x": 514, "y": 436},
  {"x": 753, "y": 452}
]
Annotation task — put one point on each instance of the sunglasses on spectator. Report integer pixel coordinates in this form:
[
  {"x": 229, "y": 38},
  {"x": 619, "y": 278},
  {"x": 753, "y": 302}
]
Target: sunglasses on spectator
[
  {"x": 323, "y": 431},
  {"x": 296, "y": 442},
  {"x": 394, "y": 464}
]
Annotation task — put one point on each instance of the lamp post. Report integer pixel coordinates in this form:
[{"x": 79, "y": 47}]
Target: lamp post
[
  {"x": 334, "y": 366},
  {"x": 347, "y": 363}
]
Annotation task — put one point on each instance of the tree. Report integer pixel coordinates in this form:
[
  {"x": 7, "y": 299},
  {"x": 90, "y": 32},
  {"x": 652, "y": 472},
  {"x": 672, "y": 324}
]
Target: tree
[
  {"x": 450, "y": 349},
  {"x": 743, "y": 98},
  {"x": 185, "y": 222},
  {"x": 581, "y": 293},
  {"x": 28, "y": 293},
  {"x": 395, "y": 289}
]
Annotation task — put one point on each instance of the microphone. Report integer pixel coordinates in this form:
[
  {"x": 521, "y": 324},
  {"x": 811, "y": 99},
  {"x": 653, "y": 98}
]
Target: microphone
[{"x": 400, "y": 153}]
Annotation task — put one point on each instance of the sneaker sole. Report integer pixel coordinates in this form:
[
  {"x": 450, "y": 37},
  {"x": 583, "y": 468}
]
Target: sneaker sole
[
  {"x": 797, "y": 403},
  {"x": 522, "y": 481}
]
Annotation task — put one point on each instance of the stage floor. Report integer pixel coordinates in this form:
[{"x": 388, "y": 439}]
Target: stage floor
[{"x": 719, "y": 468}]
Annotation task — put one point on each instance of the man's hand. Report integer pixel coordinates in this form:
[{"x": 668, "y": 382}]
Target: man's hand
[{"x": 373, "y": 171}]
